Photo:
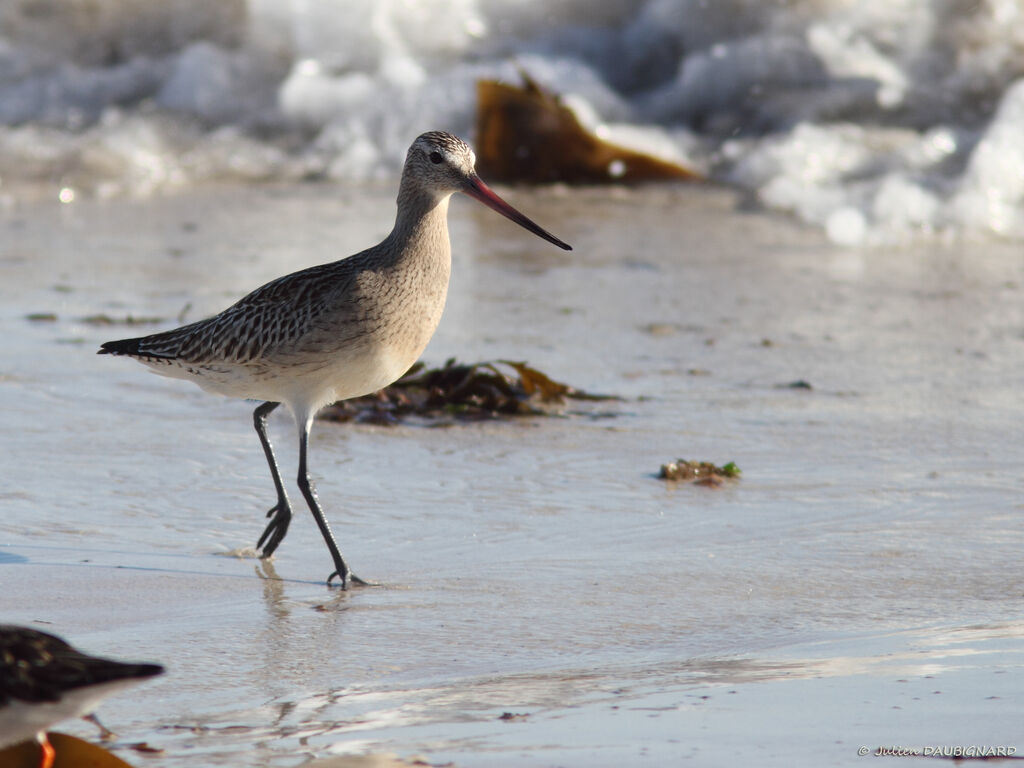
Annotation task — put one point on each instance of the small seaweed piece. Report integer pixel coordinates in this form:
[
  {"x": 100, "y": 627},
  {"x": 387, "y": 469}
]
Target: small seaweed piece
[
  {"x": 509, "y": 716},
  {"x": 698, "y": 472},
  {"x": 731, "y": 470},
  {"x": 535, "y": 382}
]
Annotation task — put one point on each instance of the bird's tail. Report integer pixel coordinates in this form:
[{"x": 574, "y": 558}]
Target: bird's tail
[{"x": 121, "y": 347}]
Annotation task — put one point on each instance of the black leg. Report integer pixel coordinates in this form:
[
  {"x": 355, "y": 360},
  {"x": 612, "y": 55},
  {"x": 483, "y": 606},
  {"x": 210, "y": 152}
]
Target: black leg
[
  {"x": 309, "y": 492},
  {"x": 280, "y": 513}
]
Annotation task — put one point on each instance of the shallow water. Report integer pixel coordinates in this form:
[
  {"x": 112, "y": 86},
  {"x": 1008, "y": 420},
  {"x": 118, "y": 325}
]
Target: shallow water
[{"x": 860, "y": 585}]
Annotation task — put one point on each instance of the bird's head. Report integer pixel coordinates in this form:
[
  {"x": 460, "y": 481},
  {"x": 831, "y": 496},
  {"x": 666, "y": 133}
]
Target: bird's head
[{"x": 441, "y": 164}]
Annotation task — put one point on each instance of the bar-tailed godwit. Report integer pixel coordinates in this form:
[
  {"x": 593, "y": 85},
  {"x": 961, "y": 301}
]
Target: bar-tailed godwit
[{"x": 337, "y": 330}]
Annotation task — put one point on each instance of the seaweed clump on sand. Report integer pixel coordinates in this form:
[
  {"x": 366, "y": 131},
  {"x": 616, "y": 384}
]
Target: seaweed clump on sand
[
  {"x": 698, "y": 472},
  {"x": 461, "y": 392}
]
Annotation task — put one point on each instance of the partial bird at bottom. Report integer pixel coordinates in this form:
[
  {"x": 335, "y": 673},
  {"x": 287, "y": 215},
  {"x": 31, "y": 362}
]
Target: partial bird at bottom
[{"x": 43, "y": 681}]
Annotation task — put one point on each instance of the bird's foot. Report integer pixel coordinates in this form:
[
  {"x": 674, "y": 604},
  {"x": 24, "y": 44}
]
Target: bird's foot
[
  {"x": 348, "y": 577},
  {"x": 105, "y": 733},
  {"x": 274, "y": 533}
]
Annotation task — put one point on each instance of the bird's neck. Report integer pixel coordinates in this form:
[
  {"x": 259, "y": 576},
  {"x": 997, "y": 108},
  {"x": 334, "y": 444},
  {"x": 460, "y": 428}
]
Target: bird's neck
[{"x": 421, "y": 226}]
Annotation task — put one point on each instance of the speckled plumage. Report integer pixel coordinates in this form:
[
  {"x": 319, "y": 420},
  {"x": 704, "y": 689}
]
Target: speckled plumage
[
  {"x": 368, "y": 315},
  {"x": 337, "y": 330}
]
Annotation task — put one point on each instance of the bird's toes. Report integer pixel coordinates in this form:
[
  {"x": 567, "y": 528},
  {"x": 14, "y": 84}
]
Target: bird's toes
[
  {"x": 265, "y": 537},
  {"x": 354, "y": 580},
  {"x": 272, "y": 538},
  {"x": 281, "y": 509}
]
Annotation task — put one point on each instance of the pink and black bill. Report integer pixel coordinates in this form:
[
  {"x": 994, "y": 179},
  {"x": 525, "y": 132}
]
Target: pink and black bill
[{"x": 476, "y": 189}]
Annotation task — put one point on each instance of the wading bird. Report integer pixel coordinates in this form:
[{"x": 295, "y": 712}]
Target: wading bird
[{"x": 337, "y": 330}]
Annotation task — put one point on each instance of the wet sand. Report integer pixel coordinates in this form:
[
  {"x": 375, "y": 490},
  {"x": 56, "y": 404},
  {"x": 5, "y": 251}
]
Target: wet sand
[{"x": 859, "y": 586}]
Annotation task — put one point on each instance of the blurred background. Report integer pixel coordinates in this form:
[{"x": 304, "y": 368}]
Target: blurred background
[{"x": 880, "y": 121}]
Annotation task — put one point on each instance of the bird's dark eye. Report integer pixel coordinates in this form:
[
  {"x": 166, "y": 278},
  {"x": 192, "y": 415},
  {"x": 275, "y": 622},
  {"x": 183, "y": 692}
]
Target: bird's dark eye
[{"x": 435, "y": 157}]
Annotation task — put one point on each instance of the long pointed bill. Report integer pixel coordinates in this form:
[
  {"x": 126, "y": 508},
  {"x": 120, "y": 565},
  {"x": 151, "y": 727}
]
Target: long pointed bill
[{"x": 476, "y": 189}]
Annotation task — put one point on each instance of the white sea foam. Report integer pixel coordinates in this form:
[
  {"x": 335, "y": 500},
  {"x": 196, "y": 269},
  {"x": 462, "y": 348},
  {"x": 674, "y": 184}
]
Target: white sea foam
[{"x": 881, "y": 121}]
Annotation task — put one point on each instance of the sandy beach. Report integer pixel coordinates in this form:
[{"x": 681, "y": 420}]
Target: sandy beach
[{"x": 545, "y": 599}]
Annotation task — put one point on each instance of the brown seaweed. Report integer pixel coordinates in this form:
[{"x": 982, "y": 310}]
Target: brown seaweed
[
  {"x": 461, "y": 392},
  {"x": 526, "y": 134}
]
